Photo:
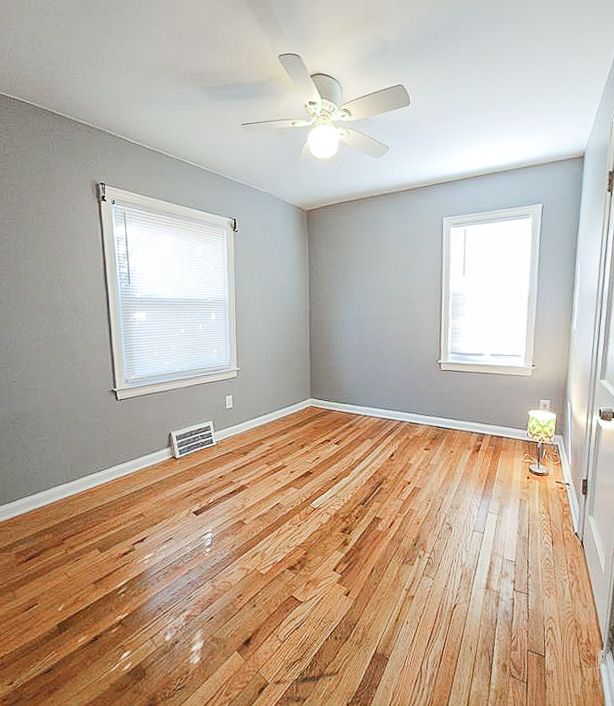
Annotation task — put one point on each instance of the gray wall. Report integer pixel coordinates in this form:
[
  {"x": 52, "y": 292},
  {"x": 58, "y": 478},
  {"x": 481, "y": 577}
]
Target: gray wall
[
  {"x": 375, "y": 281},
  {"x": 374, "y": 274},
  {"x": 587, "y": 273},
  {"x": 58, "y": 418}
]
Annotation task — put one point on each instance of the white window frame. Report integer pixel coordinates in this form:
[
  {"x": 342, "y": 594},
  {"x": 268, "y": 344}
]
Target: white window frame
[
  {"x": 108, "y": 195},
  {"x": 445, "y": 363}
]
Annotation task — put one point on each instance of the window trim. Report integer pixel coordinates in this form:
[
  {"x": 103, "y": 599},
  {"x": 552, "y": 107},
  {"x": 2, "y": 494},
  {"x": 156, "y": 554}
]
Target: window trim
[
  {"x": 107, "y": 196},
  {"x": 445, "y": 361}
]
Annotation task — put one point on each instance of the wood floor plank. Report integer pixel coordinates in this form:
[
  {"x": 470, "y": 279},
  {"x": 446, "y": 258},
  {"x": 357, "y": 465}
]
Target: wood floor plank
[
  {"x": 519, "y": 639},
  {"x": 468, "y": 648},
  {"x": 322, "y": 558},
  {"x": 536, "y": 683},
  {"x": 534, "y": 579}
]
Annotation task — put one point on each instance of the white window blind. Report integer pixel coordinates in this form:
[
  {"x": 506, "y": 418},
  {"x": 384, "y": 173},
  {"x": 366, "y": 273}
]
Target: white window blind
[
  {"x": 171, "y": 290},
  {"x": 489, "y": 291}
]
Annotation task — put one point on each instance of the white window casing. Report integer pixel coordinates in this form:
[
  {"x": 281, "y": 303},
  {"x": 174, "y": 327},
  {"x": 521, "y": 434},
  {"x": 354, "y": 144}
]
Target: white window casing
[
  {"x": 171, "y": 292},
  {"x": 489, "y": 291}
]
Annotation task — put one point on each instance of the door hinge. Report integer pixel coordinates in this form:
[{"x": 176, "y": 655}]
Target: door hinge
[
  {"x": 611, "y": 180},
  {"x": 584, "y": 486}
]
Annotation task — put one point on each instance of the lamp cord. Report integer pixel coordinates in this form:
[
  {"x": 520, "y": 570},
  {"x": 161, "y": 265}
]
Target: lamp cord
[{"x": 550, "y": 455}]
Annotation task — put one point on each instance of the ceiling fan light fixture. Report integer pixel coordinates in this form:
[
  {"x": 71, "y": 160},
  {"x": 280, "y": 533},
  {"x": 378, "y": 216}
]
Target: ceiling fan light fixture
[
  {"x": 322, "y": 95},
  {"x": 323, "y": 140}
]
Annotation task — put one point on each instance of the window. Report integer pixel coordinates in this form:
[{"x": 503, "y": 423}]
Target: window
[
  {"x": 489, "y": 291},
  {"x": 170, "y": 280}
]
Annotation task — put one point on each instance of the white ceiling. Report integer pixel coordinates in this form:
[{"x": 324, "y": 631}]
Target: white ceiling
[{"x": 494, "y": 83}]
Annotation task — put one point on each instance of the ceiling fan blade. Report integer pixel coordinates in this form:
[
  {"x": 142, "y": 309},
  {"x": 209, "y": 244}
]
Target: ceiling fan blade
[
  {"x": 293, "y": 122},
  {"x": 364, "y": 143},
  {"x": 300, "y": 77},
  {"x": 382, "y": 101}
]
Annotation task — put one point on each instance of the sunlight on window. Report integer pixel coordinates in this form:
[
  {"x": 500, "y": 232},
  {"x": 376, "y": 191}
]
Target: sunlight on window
[
  {"x": 489, "y": 287},
  {"x": 172, "y": 278}
]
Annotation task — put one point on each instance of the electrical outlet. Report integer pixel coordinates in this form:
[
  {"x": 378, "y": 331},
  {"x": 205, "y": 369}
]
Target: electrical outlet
[
  {"x": 229, "y": 402},
  {"x": 544, "y": 404}
]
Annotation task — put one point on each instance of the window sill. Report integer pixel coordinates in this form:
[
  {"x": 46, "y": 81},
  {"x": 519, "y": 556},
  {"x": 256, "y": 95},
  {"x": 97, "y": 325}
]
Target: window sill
[
  {"x": 493, "y": 369},
  {"x": 123, "y": 393}
]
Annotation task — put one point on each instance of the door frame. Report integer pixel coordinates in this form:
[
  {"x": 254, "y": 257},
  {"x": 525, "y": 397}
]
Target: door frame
[
  {"x": 605, "y": 291},
  {"x": 605, "y": 266}
]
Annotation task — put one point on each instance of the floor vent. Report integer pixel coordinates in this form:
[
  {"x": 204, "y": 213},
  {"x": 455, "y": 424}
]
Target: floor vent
[{"x": 186, "y": 441}]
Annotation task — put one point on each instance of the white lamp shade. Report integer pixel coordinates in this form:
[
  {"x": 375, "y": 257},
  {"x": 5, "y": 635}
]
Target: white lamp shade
[{"x": 541, "y": 426}]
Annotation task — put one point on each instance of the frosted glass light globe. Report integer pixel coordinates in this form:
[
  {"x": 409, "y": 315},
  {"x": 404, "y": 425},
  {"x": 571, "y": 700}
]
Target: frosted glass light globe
[{"x": 323, "y": 141}]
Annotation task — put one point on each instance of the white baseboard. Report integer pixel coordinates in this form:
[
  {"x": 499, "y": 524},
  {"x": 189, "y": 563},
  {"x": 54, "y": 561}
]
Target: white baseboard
[
  {"x": 443, "y": 422},
  {"x": 478, "y": 427},
  {"x": 607, "y": 679},
  {"x": 574, "y": 505},
  {"x": 46, "y": 497},
  {"x": 263, "y": 419},
  {"x": 31, "y": 502},
  {"x": 460, "y": 425}
]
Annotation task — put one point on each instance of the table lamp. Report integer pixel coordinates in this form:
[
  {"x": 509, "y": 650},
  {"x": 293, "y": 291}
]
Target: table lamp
[{"x": 541, "y": 430}]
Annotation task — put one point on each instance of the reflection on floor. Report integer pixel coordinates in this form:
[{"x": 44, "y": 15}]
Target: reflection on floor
[{"x": 325, "y": 558}]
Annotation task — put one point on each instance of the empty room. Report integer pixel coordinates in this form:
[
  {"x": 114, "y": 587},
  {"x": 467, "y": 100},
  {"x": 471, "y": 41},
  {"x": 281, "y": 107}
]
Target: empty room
[{"x": 306, "y": 389}]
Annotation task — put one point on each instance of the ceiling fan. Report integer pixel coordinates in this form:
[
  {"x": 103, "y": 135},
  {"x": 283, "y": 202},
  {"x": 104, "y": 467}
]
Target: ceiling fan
[{"x": 322, "y": 96}]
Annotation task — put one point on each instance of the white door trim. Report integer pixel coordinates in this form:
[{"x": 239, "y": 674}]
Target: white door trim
[
  {"x": 605, "y": 266},
  {"x": 593, "y": 552},
  {"x": 607, "y": 678}
]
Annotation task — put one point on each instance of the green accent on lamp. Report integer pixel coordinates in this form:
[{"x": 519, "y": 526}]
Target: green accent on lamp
[{"x": 541, "y": 427}]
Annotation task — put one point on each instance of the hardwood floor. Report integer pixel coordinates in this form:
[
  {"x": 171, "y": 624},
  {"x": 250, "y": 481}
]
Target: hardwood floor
[{"x": 322, "y": 559}]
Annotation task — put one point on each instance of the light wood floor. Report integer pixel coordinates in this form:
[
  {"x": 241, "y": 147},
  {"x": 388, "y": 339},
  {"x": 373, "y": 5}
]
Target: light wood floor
[{"x": 322, "y": 559}]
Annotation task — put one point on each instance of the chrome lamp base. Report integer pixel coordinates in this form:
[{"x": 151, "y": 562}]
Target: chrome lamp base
[{"x": 538, "y": 468}]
